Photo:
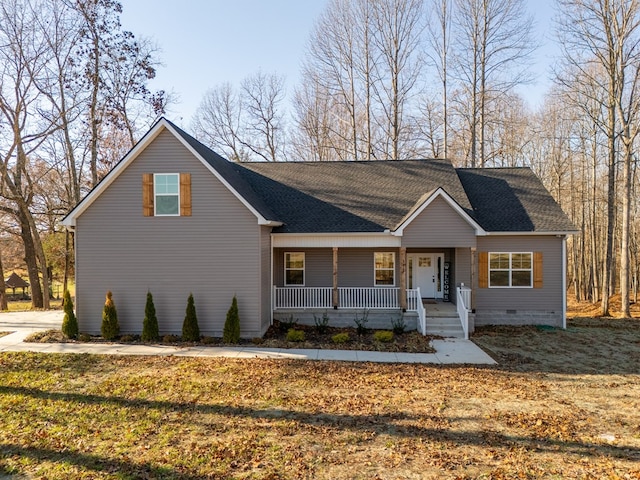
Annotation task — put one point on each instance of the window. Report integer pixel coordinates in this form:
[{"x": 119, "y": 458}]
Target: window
[
  {"x": 510, "y": 270},
  {"x": 166, "y": 194},
  {"x": 385, "y": 268},
  {"x": 294, "y": 268}
]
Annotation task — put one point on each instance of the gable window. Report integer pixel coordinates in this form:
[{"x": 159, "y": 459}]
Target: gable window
[
  {"x": 510, "y": 270},
  {"x": 294, "y": 268},
  {"x": 385, "y": 268},
  {"x": 166, "y": 194}
]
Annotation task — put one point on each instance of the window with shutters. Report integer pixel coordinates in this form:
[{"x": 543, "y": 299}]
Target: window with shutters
[
  {"x": 166, "y": 194},
  {"x": 513, "y": 269}
]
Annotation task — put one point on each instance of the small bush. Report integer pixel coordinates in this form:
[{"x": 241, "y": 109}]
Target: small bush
[
  {"x": 340, "y": 338},
  {"x": 294, "y": 335},
  {"x": 84, "y": 337},
  {"x": 70, "y": 322},
  {"x": 110, "y": 328},
  {"x": 384, "y": 336},
  {"x": 231, "y": 332},
  {"x": 361, "y": 323},
  {"x": 150, "y": 322},
  {"x": 257, "y": 340},
  {"x": 128, "y": 338},
  {"x": 190, "y": 328},
  {"x": 171, "y": 339},
  {"x": 398, "y": 325},
  {"x": 286, "y": 325},
  {"x": 208, "y": 340},
  {"x": 322, "y": 324}
]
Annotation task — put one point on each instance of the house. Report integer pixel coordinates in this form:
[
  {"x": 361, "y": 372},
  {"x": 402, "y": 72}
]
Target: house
[{"x": 304, "y": 239}]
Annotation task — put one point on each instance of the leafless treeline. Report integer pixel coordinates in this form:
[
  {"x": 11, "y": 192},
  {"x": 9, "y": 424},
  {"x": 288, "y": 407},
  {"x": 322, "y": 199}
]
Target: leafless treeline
[
  {"x": 73, "y": 97},
  {"x": 381, "y": 80}
]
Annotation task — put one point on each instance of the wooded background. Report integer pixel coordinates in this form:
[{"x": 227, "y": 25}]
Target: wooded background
[{"x": 381, "y": 80}]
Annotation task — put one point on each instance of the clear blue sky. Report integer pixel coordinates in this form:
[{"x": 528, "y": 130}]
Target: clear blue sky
[{"x": 207, "y": 42}]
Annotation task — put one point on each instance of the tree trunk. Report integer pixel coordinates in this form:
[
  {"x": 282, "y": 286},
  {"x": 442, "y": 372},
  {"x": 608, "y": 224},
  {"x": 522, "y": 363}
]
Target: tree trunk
[{"x": 3, "y": 293}]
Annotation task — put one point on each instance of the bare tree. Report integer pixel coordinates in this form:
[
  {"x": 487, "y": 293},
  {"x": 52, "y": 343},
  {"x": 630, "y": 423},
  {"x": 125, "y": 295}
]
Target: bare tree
[
  {"x": 493, "y": 45},
  {"x": 600, "y": 39}
]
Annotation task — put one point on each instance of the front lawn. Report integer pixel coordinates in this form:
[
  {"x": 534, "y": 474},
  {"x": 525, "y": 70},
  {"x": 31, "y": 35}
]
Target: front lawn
[{"x": 91, "y": 416}]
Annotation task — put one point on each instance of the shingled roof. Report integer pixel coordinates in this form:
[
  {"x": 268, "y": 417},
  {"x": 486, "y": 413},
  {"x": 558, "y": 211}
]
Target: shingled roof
[
  {"x": 369, "y": 196},
  {"x": 512, "y": 200}
]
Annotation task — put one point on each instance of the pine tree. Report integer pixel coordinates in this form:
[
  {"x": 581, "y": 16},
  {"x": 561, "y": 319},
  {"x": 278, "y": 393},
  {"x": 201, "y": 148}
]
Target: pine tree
[
  {"x": 190, "y": 329},
  {"x": 70, "y": 322},
  {"x": 150, "y": 324},
  {"x": 231, "y": 332},
  {"x": 110, "y": 328}
]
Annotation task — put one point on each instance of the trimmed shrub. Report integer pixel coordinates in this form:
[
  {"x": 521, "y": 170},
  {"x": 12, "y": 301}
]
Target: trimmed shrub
[
  {"x": 190, "y": 328},
  {"x": 150, "y": 323},
  {"x": 288, "y": 323},
  {"x": 231, "y": 331},
  {"x": 384, "y": 336},
  {"x": 340, "y": 338},
  {"x": 110, "y": 327},
  {"x": 70, "y": 322},
  {"x": 294, "y": 335}
]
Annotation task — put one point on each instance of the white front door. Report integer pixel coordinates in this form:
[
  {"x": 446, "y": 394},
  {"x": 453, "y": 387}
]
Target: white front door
[{"x": 425, "y": 274}]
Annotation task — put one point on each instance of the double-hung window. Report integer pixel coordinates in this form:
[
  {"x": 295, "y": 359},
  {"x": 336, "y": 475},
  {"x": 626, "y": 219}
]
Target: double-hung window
[
  {"x": 166, "y": 193},
  {"x": 511, "y": 269},
  {"x": 294, "y": 268},
  {"x": 385, "y": 268}
]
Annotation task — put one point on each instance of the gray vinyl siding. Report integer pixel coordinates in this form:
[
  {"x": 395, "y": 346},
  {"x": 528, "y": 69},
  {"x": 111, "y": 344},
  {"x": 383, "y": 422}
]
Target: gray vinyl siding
[
  {"x": 214, "y": 254},
  {"x": 438, "y": 225},
  {"x": 539, "y": 305},
  {"x": 318, "y": 268},
  {"x": 355, "y": 266},
  {"x": 462, "y": 267}
]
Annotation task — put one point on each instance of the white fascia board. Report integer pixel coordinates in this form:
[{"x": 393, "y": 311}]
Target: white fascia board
[
  {"x": 439, "y": 192},
  {"x": 261, "y": 219},
  {"x": 70, "y": 219},
  {"x": 531, "y": 234},
  {"x": 340, "y": 240}
]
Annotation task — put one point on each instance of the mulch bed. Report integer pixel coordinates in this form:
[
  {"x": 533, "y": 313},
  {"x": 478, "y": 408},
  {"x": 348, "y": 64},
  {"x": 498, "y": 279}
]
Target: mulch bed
[{"x": 275, "y": 337}]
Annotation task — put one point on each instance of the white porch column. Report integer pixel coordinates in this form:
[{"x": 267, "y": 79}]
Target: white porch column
[
  {"x": 403, "y": 279},
  {"x": 335, "y": 277}
]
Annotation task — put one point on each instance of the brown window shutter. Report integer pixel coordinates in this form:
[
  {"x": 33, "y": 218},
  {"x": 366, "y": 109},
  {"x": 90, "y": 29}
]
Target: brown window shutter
[
  {"x": 483, "y": 270},
  {"x": 185, "y": 194},
  {"x": 537, "y": 270},
  {"x": 147, "y": 194}
]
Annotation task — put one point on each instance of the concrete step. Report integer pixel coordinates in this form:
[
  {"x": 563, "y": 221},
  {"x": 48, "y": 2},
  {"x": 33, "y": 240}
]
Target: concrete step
[{"x": 445, "y": 327}]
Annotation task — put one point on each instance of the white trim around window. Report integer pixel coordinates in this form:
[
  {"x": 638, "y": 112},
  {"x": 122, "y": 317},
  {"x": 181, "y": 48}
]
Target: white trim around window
[
  {"x": 384, "y": 269},
  {"x": 510, "y": 269},
  {"x": 294, "y": 263},
  {"x": 166, "y": 194}
]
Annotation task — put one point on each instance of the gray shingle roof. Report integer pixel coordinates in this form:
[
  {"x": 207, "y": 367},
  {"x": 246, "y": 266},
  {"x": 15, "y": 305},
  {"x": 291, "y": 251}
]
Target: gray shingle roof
[
  {"x": 512, "y": 200},
  {"x": 348, "y": 196}
]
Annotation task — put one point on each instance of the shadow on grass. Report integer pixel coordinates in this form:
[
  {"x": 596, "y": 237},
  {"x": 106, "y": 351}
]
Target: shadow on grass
[
  {"x": 384, "y": 424},
  {"x": 93, "y": 462}
]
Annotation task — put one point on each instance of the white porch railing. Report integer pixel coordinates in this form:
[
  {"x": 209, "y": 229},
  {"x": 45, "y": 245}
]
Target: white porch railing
[
  {"x": 302, "y": 297},
  {"x": 371, "y": 298},
  {"x": 414, "y": 304},
  {"x": 378, "y": 298},
  {"x": 464, "y": 307}
]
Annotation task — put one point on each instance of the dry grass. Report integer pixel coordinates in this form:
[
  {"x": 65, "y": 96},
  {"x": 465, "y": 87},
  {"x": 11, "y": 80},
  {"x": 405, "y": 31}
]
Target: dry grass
[
  {"x": 540, "y": 414},
  {"x": 577, "y": 309}
]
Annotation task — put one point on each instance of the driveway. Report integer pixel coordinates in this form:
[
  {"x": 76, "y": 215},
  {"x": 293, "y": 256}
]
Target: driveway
[{"x": 30, "y": 321}]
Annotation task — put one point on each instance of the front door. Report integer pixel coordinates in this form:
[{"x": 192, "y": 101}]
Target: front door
[{"x": 425, "y": 274}]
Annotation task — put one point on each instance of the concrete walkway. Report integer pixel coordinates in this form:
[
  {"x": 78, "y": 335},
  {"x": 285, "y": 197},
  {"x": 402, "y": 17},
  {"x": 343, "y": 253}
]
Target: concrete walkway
[{"x": 22, "y": 324}]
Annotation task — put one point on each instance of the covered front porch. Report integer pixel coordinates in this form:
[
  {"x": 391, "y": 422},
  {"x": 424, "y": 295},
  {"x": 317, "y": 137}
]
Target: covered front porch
[{"x": 383, "y": 307}]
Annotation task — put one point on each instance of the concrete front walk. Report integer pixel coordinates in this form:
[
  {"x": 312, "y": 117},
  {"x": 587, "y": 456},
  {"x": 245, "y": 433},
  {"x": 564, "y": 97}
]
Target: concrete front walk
[{"x": 448, "y": 351}]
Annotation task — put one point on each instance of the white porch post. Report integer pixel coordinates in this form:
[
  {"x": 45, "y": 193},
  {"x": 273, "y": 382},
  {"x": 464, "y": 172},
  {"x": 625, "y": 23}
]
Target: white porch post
[
  {"x": 335, "y": 277},
  {"x": 564, "y": 282}
]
